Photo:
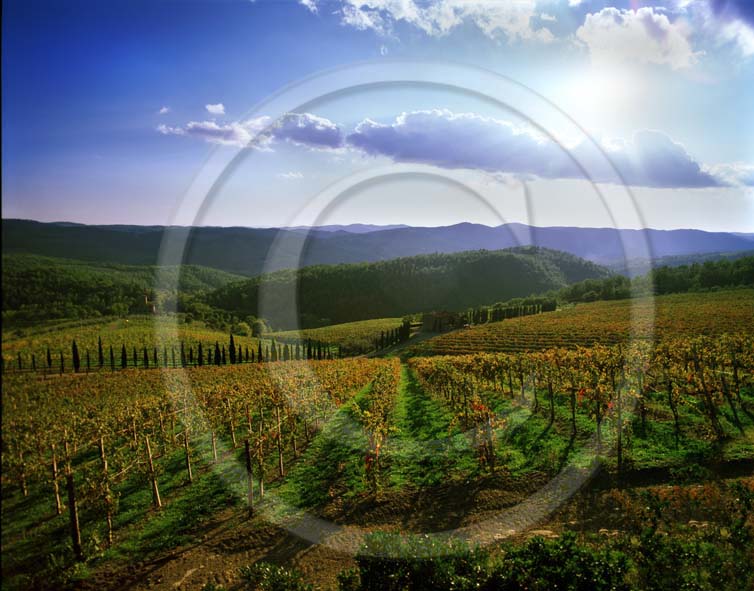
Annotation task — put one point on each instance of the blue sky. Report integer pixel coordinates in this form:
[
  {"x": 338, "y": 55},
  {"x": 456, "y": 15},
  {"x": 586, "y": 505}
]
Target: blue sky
[{"x": 111, "y": 110}]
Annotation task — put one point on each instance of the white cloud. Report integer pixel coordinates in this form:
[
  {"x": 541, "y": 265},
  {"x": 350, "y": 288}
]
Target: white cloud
[
  {"x": 291, "y": 175},
  {"x": 645, "y": 35},
  {"x": 163, "y": 110},
  {"x": 310, "y": 4},
  {"x": 735, "y": 174},
  {"x": 574, "y": 3},
  {"x": 237, "y": 134},
  {"x": 302, "y": 129},
  {"x": 439, "y": 17},
  {"x": 217, "y": 109},
  {"x": 547, "y": 17}
]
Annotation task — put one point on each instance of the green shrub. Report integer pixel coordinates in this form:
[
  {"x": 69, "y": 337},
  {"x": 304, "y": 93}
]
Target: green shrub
[{"x": 263, "y": 576}]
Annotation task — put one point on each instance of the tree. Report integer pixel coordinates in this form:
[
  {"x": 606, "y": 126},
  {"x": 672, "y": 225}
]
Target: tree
[
  {"x": 100, "y": 353},
  {"x": 49, "y": 359},
  {"x": 232, "y": 349},
  {"x": 145, "y": 362},
  {"x": 200, "y": 355},
  {"x": 217, "y": 353},
  {"x": 112, "y": 359},
  {"x": 259, "y": 352},
  {"x": 75, "y": 357},
  {"x": 123, "y": 357}
]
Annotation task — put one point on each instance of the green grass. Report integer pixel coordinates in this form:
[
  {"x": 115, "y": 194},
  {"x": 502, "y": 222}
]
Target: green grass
[
  {"x": 332, "y": 464},
  {"x": 425, "y": 449}
]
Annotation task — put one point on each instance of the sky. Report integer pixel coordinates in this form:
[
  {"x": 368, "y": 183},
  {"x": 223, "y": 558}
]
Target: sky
[{"x": 419, "y": 112}]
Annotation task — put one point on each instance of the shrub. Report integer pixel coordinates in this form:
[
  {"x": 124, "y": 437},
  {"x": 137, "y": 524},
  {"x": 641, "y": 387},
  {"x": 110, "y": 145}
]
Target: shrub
[{"x": 263, "y": 576}]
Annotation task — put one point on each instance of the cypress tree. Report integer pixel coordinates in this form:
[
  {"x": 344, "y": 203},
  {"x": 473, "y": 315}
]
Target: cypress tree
[
  {"x": 200, "y": 355},
  {"x": 88, "y": 363},
  {"x": 267, "y": 353},
  {"x": 154, "y": 358},
  {"x": 145, "y": 363},
  {"x": 252, "y": 356},
  {"x": 33, "y": 362},
  {"x": 136, "y": 358},
  {"x": 172, "y": 356},
  {"x": 100, "y": 353},
  {"x": 286, "y": 353},
  {"x": 239, "y": 355},
  {"x": 225, "y": 359},
  {"x": 209, "y": 356},
  {"x": 259, "y": 353},
  {"x": 298, "y": 351},
  {"x": 165, "y": 355},
  {"x": 74, "y": 355},
  {"x": 183, "y": 355},
  {"x": 62, "y": 364},
  {"x": 217, "y": 353},
  {"x": 49, "y": 359},
  {"x": 247, "y": 354},
  {"x": 191, "y": 356},
  {"x": 274, "y": 351},
  {"x": 112, "y": 359},
  {"x": 123, "y": 357},
  {"x": 232, "y": 349},
  {"x": 20, "y": 362}
]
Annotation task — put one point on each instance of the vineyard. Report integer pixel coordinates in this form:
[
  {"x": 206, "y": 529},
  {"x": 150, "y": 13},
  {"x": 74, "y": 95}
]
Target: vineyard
[
  {"x": 82, "y": 443},
  {"x": 605, "y": 322},
  {"x": 103, "y": 465},
  {"x": 355, "y": 337}
]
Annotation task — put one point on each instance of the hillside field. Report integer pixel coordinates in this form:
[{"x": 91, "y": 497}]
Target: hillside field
[{"x": 607, "y": 322}]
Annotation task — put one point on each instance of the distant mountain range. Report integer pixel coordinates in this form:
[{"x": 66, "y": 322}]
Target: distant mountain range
[{"x": 247, "y": 251}]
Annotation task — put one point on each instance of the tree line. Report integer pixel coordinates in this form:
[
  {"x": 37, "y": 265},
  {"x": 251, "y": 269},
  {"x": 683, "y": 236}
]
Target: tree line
[{"x": 163, "y": 356}]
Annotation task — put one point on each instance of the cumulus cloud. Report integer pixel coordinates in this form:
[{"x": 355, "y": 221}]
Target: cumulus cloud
[
  {"x": 438, "y": 17},
  {"x": 217, "y": 109},
  {"x": 726, "y": 22},
  {"x": 303, "y": 129},
  {"x": 306, "y": 129},
  {"x": 445, "y": 139},
  {"x": 735, "y": 173},
  {"x": 450, "y": 140},
  {"x": 163, "y": 111},
  {"x": 230, "y": 134},
  {"x": 645, "y": 35},
  {"x": 310, "y": 4},
  {"x": 292, "y": 175}
]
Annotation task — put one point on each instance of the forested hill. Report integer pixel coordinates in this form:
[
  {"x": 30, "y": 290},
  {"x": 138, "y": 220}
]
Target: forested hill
[
  {"x": 246, "y": 251},
  {"x": 40, "y": 288},
  {"x": 344, "y": 293}
]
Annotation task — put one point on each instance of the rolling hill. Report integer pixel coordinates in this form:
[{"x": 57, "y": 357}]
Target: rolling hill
[
  {"x": 37, "y": 288},
  {"x": 246, "y": 251},
  {"x": 343, "y": 293}
]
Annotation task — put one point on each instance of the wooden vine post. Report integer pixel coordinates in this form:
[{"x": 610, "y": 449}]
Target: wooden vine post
[
  {"x": 249, "y": 478},
  {"x": 281, "y": 468},
  {"x": 106, "y": 490},
  {"x": 214, "y": 446},
  {"x": 150, "y": 463},
  {"x": 56, "y": 488},
  {"x": 187, "y": 449},
  {"x": 232, "y": 427},
  {"x": 73, "y": 512}
]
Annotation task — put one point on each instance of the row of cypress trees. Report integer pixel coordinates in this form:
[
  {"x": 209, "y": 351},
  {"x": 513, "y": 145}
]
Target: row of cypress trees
[{"x": 185, "y": 356}]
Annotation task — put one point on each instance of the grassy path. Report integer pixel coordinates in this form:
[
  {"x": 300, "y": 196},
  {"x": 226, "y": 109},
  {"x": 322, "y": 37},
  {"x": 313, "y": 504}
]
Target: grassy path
[
  {"x": 332, "y": 464},
  {"x": 425, "y": 449}
]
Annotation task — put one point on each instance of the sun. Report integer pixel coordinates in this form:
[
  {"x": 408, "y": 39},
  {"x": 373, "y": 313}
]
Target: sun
[{"x": 601, "y": 96}]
